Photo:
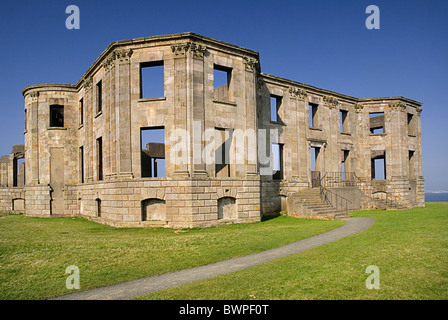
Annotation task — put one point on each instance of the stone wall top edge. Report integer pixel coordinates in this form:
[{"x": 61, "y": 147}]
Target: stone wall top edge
[
  {"x": 173, "y": 38},
  {"x": 186, "y": 36},
  {"x": 164, "y": 38},
  {"x": 411, "y": 102},
  {"x": 50, "y": 87},
  {"x": 312, "y": 89}
]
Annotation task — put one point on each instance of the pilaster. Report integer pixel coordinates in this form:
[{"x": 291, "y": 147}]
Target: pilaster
[
  {"x": 88, "y": 125},
  {"x": 250, "y": 147},
  {"x": 397, "y": 153},
  {"x": 195, "y": 107},
  {"x": 107, "y": 84},
  {"x": 32, "y": 165},
  {"x": 123, "y": 72},
  {"x": 332, "y": 158},
  {"x": 298, "y": 97},
  {"x": 181, "y": 148}
]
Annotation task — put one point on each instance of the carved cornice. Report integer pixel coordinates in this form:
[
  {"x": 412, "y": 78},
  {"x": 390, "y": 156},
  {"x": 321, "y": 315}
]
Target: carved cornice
[
  {"x": 419, "y": 110},
  {"x": 122, "y": 55},
  {"x": 180, "y": 49},
  {"x": 297, "y": 93},
  {"x": 108, "y": 63},
  {"x": 250, "y": 63},
  {"x": 198, "y": 50},
  {"x": 358, "y": 107},
  {"x": 88, "y": 83},
  {"x": 34, "y": 95},
  {"x": 400, "y": 106},
  {"x": 330, "y": 101}
]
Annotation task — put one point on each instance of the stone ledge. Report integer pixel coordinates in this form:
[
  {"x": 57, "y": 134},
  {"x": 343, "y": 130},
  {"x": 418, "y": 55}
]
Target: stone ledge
[
  {"x": 152, "y": 99},
  {"x": 229, "y": 103}
]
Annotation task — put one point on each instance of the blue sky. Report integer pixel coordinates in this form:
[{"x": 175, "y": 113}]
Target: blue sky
[{"x": 322, "y": 43}]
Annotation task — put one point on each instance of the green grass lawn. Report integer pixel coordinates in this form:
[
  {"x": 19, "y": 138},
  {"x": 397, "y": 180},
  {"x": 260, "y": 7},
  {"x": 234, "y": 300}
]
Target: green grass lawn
[
  {"x": 35, "y": 252},
  {"x": 409, "y": 247}
]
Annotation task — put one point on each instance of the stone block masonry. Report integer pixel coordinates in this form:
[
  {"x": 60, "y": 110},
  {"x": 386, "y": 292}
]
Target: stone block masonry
[
  {"x": 218, "y": 142},
  {"x": 181, "y": 203}
]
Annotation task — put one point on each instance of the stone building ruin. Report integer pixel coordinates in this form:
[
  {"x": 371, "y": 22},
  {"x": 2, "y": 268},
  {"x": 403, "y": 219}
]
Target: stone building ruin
[{"x": 130, "y": 144}]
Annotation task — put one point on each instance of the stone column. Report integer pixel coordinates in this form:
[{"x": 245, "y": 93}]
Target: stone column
[
  {"x": 180, "y": 105},
  {"x": 107, "y": 114},
  {"x": 299, "y": 97},
  {"x": 32, "y": 165},
  {"x": 250, "y": 73},
  {"x": 397, "y": 154},
  {"x": 113, "y": 154},
  {"x": 4, "y": 171},
  {"x": 89, "y": 110},
  {"x": 418, "y": 130},
  {"x": 332, "y": 158},
  {"x": 12, "y": 174},
  {"x": 361, "y": 147},
  {"x": 123, "y": 73},
  {"x": 420, "y": 198},
  {"x": 195, "y": 107}
]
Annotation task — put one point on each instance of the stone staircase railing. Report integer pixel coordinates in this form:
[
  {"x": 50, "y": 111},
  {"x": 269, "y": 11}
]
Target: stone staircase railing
[{"x": 376, "y": 193}]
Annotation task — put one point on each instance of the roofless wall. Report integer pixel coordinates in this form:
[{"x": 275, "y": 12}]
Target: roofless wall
[{"x": 185, "y": 131}]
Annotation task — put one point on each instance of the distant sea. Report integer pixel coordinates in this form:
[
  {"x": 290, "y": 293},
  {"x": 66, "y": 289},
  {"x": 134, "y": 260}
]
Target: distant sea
[{"x": 436, "y": 197}]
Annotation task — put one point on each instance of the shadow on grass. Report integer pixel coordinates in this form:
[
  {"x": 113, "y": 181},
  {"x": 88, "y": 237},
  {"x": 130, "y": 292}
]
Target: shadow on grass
[{"x": 267, "y": 218}]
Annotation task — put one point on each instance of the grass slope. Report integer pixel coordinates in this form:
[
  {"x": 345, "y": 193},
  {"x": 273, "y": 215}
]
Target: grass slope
[
  {"x": 409, "y": 247},
  {"x": 35, "y": 252}
]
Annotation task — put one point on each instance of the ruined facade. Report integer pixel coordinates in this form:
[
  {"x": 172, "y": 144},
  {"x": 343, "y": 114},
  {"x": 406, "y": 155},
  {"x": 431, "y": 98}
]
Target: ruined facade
[{"x": 113, "y": 149}]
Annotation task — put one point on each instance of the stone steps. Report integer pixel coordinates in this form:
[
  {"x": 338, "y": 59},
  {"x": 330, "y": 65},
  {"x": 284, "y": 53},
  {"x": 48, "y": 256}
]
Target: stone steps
[{"x": 309, "y": 204}]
